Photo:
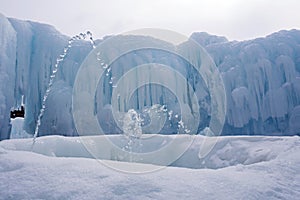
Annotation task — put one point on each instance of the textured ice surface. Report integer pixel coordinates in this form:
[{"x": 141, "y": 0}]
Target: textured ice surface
[{"x": 261, "y": 77}]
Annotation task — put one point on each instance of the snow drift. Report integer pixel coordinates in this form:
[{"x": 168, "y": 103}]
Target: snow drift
[
  {"x": 248, "y": 167},
  {"x": 228, "y": 151}
]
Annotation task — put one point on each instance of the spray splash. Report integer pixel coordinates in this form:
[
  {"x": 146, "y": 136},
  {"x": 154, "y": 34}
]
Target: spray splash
[{"x": 132, "y": 128}]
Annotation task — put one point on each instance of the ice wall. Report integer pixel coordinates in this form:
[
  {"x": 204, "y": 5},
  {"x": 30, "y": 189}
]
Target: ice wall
[
  {"x": 262, "y": 83},
  {"x": 28, "y": 52},
  {"x": 7, "y": 73},
  {"x": 261, "y": 76}
]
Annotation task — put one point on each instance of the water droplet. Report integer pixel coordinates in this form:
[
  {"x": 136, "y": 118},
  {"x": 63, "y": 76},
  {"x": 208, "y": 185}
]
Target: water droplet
[
  {"x": 105, "y": 66},
  {"x": 82, "y": 36},
  {"x": 180, "y": 124},
  {"x": 99, "y": 56}
]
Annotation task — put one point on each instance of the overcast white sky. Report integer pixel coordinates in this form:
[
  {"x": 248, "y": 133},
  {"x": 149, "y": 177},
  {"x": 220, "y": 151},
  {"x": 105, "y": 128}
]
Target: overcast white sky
[{"x": 235, "y": 19}]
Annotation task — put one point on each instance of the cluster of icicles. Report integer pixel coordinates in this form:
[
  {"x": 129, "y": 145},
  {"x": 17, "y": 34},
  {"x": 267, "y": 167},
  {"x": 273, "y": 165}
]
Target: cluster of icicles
[{"x": 82, "y": 36}]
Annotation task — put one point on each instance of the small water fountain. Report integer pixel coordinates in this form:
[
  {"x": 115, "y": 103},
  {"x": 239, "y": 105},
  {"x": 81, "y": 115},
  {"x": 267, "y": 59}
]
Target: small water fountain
[
  {"x": 132, "y": 122},
  {"x": 59, "y": 60},
  {"x": 138, "y": 127},
  {"x": 132, "y": 128}
]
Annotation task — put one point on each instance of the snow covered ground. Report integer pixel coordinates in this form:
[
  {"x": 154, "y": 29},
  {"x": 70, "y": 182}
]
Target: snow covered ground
[{"x": 237, "y": 168}]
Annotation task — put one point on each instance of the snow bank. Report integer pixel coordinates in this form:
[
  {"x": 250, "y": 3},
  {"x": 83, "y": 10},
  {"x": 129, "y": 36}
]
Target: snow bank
[
  {"x": 27, "y": 175},
  {"x": 228, "y": 151}
]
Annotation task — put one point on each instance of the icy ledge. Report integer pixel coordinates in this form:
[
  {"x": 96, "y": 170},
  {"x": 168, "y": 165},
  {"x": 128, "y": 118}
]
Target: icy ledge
[{"x": 228, "y": 151}]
